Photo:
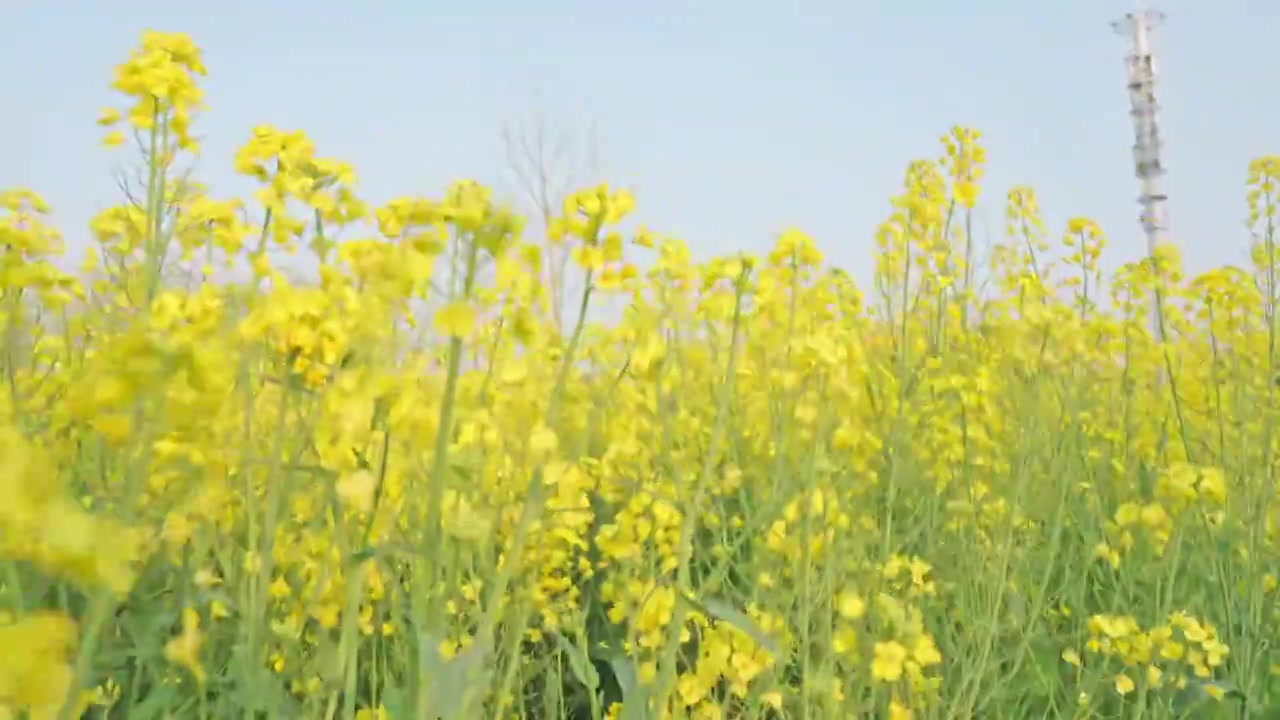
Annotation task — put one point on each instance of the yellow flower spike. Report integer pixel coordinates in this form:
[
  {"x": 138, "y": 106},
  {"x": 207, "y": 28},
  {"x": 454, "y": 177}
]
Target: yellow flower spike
[
  {"x": 184, "y": 650},
  {"x": 113, "y": 139},
  {"x": 587, "y": 202},
  {"x": 621, "y": 203},
  {"x": 925, "y": 652},
  {"x": 588, "y": 257},
  {"x": 108, "y": 117},
  {"x": 643, "y": 238},
  {"x": 850, "y": 605},
  {"x": 456, "y": 319},
  {"x": 542, "y": 444},
  {"x": 889, "y": 661},
  {"x": 845, "y": 640}
]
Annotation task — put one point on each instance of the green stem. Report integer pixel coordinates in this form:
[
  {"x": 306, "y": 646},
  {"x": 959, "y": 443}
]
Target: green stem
[
  {"x": 100, "y": 611},
  {"x": 533, "y": 494},
  {"x": 689, "y": 515},
  {"x": 444, "y": 433}
]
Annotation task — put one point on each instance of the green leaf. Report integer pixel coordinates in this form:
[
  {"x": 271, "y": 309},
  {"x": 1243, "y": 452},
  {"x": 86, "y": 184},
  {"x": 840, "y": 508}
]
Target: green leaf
[
  {"x": 724, "y": 611},
  {"x": 395, "y": 702},
  {"x": 360, "y": 556},
  {"x": 454, "y": 687},
  {"x": 156, "y": 704},
  {"x": 635, "y": 697},
  {"x": 624, "y": 671},
  {"x": 579, "y": 663},
  {"x": 1197, "y": 695},
  {"x": 374, "y": 552},
  {"x": 635, "y": 707}
]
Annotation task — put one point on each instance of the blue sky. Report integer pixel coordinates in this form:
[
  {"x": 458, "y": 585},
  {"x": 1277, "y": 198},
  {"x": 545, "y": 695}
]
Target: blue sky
[{"x": 731, "y": 119}]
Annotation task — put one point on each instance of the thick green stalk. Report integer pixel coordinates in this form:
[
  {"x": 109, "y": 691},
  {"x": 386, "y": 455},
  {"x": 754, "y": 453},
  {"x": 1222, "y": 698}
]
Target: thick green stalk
[
  {"x": 534, "y": 493},
  {"x": 444, "y": 433},
  {"x": 690, "y": 514}
]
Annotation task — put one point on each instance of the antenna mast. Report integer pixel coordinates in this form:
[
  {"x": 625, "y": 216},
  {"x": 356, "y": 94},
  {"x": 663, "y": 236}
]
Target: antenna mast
[{"x": 1138, "y": 25}]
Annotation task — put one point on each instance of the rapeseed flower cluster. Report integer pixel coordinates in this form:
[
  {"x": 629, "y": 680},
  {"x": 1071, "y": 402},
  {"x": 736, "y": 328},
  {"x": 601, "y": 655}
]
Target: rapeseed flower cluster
[{"x": 407, "y": 490}]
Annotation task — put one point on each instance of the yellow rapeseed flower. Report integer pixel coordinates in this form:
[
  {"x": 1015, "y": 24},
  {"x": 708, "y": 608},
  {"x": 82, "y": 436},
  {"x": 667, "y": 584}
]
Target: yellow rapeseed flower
[
  {"x": 888, "y": 662},
  {"x": 456, "y": 319},
  {"x": 184, "y": 649}
]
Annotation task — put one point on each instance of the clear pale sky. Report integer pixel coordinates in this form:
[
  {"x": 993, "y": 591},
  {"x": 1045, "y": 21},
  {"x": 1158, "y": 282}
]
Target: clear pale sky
[{"x": 731, "y": 119}]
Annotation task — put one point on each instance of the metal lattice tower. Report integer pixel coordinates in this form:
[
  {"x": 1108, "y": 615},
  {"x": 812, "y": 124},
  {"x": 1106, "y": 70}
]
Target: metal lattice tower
[{"x": 1138, "y": 26}]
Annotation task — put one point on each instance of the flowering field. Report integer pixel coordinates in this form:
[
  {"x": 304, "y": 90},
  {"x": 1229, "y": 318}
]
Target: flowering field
[{"x": 411, "y": 489}]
